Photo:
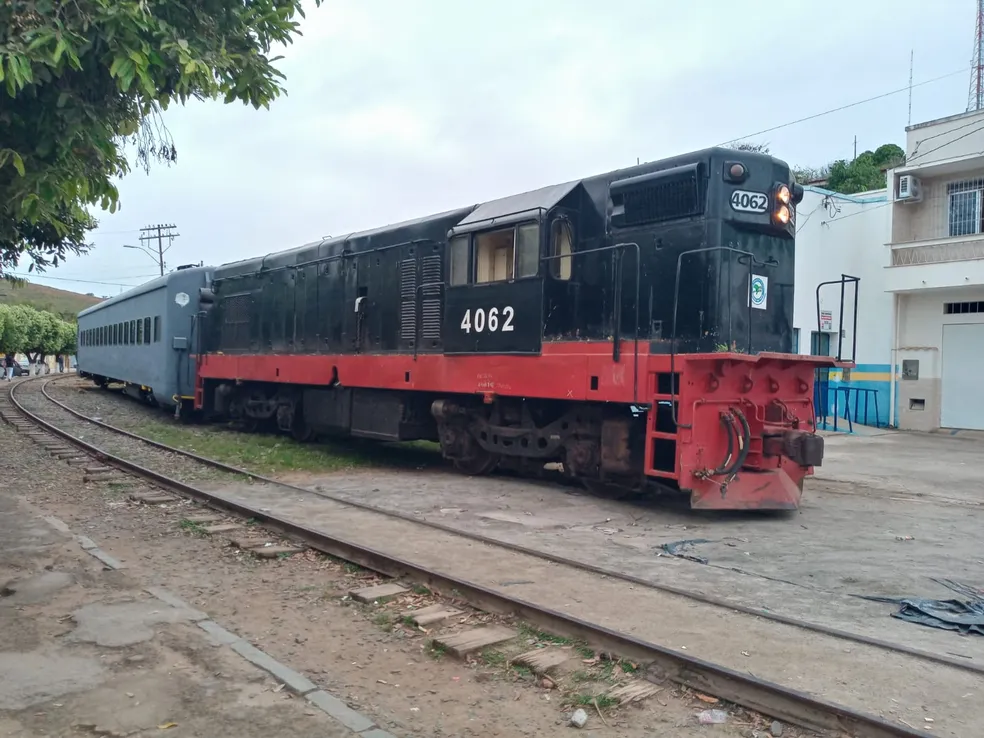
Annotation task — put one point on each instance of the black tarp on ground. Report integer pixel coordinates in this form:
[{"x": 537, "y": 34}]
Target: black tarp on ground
[{"x": 964, "y": 616}]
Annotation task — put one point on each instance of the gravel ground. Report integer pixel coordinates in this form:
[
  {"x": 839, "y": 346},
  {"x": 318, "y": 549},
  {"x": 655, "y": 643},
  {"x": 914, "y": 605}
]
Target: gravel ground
[{"x": 295, "y": 610}]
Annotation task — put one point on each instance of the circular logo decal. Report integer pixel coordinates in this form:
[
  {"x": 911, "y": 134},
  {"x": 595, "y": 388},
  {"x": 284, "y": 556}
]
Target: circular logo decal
[
  {"x": 182, "y": 298},
  {"x": 758, "y": 291}
]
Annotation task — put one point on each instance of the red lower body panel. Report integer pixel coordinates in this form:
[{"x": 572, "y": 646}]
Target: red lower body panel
[{"x": 718, "y": 432}]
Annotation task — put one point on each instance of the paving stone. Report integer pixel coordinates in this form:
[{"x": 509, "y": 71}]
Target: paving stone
[
  {"x": 431, "y": 614},
  {"x": 106, "y": 558},
  {"x": 467, "y": 641},
  {"x": 379, "y": 593},
  {"x": 340, "y": 711},
  {"x": 272, "y": 552},
  {"x": 222, "y": 528},
  {"x": 173, "y": 600},
  {"x": 295, "y": 682},
  {"x": 542, "y": 660},
  {"x": 57, "y": 524},
  {"x": 217, "y": 633}
]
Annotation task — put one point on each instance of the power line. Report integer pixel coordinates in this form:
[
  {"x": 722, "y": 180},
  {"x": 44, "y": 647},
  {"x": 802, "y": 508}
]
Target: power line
[
  {"x": 947, "y": 143},
  {"x": 843, "y": 107},
  {"x": 80, "y": 281}
]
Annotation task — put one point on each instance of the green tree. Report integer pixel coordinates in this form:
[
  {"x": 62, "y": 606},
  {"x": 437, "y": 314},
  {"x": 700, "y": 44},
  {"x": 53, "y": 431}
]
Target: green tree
[
  {"x": 866, "y": 172},
  {"x": 81, "y": 80}
]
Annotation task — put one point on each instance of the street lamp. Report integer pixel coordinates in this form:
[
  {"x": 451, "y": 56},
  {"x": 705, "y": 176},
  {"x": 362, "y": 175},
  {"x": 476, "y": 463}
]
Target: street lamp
[{"x": 158, "y": 257}]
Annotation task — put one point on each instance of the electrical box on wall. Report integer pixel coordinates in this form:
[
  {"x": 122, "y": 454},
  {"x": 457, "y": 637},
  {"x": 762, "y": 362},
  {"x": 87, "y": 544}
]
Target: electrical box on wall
[{"x": 910, "y": 368}]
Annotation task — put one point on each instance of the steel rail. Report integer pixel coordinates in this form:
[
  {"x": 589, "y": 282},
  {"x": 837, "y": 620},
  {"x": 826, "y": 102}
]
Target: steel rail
[
  {"x": 744, "y": 689},
  {"x": 706, "y": 599}
]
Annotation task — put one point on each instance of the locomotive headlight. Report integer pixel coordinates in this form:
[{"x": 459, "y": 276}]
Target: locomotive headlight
[
  {"x": 782, "y": 214},
  {"x": 783, "y": 195}
]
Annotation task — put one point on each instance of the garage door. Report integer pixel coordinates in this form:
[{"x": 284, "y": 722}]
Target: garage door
[{"x": 963, "y": 379}]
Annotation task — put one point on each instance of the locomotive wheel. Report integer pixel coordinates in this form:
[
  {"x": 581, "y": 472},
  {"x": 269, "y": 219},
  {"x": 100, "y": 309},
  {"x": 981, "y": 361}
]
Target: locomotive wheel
[
  {"x": 479, "y": 463},
  {"x": 301, "y": 432}
]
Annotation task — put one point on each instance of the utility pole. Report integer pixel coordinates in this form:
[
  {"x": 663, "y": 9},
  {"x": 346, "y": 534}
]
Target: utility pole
[{"x": 156, "y": 233}]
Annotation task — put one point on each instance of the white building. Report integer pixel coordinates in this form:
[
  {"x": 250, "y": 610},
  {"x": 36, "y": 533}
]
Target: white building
[
  {"x": 845, "y": 235},
  {"x": 935, "y": 272},
  {"x": 918, "y": 248}
]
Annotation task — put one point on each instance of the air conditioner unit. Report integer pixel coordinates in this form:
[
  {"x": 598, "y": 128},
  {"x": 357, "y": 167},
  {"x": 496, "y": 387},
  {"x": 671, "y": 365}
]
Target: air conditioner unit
[{"x": 909, "y": 189}]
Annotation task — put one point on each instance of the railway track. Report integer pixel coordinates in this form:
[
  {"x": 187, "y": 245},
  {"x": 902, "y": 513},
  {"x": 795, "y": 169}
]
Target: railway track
[{"x": 79, "y": 437}]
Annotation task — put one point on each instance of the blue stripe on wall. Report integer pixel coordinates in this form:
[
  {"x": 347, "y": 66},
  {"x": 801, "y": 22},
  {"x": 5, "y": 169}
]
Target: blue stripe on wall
[{"x": 851, "y": 396}]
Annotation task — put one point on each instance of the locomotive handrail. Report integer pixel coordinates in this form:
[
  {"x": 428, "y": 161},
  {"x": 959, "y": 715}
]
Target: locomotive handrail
[
  {"x": 752, "y": 262},
  {"x": 843, "y": 282},
  {"x": 616, "y": 348}
]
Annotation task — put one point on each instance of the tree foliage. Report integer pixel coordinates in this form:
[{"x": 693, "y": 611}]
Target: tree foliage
[
  {"x": 866, "y": 172},
  {"x": 82, "y": 80},
  {"x": 28, "y": 331}
]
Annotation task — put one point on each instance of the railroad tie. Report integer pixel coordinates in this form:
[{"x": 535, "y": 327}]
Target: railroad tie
[
  {"x": 468, "y": 641},
  {"x": 378, "y": 593},
  {"x": 431, "y": 614},
  {"x": 152, "y": 498}
]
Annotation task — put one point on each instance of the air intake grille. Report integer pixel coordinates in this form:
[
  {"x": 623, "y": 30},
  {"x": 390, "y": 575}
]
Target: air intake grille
[
  {"x": 408, "y": 295},
  {"x": 236, "y": 310},
  {"x": 657, "y": 197}
]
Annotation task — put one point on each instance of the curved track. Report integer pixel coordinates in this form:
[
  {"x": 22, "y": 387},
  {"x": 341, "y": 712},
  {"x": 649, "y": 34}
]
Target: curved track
[
  {"x": 770, "y": 698},
  {"x": 540, "y": 554}
]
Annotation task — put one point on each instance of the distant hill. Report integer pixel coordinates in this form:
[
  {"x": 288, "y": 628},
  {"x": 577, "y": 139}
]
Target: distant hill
[{"x": 65, "y": 304}]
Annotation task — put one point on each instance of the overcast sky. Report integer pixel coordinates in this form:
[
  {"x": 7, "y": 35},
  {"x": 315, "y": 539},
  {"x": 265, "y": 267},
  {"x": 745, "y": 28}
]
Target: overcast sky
[{"x": 398, "y": 108}]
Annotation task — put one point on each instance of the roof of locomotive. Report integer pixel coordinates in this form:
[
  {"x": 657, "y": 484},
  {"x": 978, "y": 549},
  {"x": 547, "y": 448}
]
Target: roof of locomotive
[
  {"x": 436, "y": 226},
  {"x": 427, "y": 227}
]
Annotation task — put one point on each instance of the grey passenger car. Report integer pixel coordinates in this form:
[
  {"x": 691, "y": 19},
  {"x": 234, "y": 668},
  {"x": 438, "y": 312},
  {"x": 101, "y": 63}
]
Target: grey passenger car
[{"x": 145, "y": 338}]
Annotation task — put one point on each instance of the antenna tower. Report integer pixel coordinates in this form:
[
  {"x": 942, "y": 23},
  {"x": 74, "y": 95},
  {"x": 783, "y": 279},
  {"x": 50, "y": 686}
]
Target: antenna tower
[{"x": 975, "y": 98}]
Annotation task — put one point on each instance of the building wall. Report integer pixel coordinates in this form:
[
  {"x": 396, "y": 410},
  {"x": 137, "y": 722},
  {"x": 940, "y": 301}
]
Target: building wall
[
  {"x": 921, "y": 321},
  {"x": 944, "y": 139},
  {"x": 846, "y": 234}
]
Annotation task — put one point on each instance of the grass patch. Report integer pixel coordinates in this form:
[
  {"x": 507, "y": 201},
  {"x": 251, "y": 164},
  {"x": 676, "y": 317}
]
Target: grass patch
[
  {"x": 255, "y": 452},
  {"x": 420, "y": 589},
  {"x": 588, "y": 700},
  {"x": 384, "y": 620},
  {"x": 272, "y": 454},
  {"x": 585, "y": 652},
  {"x": 492, "y": 657},
  {"x": 350, "y": 568},
  {"x": 408, "y": 621},
  {"x": 523, "y": 671},
  {"x": 528, "y": 631},
  {"x": 436, "y": 650},
  {"x": 190, "y": 526}
]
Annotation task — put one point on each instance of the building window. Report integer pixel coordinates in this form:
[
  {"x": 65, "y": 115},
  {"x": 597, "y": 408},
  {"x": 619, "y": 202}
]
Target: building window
[
  {"x": 459, "y": 260},
  {"x": 964, "y": 207},
  {"x": 960, "y": 308}
]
